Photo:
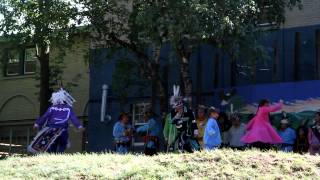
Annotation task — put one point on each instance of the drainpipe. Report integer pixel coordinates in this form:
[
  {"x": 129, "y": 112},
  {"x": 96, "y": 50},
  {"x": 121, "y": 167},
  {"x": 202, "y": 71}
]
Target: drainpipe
[{"x": 104, "y": 98}]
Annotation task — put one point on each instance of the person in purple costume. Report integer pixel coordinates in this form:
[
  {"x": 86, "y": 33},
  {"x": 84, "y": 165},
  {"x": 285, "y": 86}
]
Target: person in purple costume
[{"x": 53, "y": 135}]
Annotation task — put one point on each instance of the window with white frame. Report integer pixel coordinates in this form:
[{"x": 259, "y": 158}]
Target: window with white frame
[
  {"x": 29, "y": 61},
  {"x": 21, "y": 62},
  {"x": 14, "y": 64}
]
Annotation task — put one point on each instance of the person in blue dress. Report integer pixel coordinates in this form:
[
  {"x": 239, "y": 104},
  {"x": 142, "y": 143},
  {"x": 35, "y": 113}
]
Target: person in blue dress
[
  {"x": 288, "y": 136},
  {"x": 212, "y": 137},
  {"x": 122, "y": 133},
  {"x": 151, "y": 130}
]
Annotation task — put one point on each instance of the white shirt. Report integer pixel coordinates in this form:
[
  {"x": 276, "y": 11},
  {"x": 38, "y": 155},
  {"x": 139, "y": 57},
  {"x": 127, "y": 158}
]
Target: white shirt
[{"x": 235, "y": 134}]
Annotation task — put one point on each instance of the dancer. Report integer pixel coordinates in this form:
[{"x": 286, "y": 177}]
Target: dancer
[
  {"x": 170, "y": 133},
  {"x": 186, "y": 124},
  {"x": 53, "y": 136},
  {"x": 260, "y": 134}
]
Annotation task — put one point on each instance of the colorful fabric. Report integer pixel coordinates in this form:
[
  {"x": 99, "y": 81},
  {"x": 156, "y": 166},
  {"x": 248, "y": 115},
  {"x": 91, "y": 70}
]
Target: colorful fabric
[
  {"x": 57, "y": 116},
  {"x": 170, "y": 130},
  {"x": 45, "y": 139},
  {"x": 259, "y": 128},
  {"x": 212, "y": 137},
  {"x": 187, "y": 129},
  {"x": 201, "y": 127}
]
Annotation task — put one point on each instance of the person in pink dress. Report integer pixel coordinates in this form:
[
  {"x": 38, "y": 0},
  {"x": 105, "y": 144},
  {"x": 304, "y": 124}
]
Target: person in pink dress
[{"x": 260, "y": 133}]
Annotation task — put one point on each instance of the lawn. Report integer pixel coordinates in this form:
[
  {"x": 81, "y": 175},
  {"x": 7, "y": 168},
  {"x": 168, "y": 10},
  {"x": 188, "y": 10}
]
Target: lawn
[{"x": 219, "y": 164}]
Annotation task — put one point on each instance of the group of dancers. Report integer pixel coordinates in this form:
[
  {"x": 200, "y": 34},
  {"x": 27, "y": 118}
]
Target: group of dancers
[{"x": 183, "y": 132}]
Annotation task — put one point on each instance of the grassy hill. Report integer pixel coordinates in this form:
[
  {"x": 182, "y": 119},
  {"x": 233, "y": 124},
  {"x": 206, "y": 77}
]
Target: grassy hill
[{"x": 220, "y": 164}]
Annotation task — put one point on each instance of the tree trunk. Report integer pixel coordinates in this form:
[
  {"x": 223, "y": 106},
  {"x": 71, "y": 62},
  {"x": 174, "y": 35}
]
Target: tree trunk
[
  {"x": 159, "y": 90},
  {"x": 44, "y": 80},
  {"x": 233, "y": 72},
  {"x": 185, "y": 74},
  {"x": 154, "y": 84},
  {"x": 163, "y": 91}
]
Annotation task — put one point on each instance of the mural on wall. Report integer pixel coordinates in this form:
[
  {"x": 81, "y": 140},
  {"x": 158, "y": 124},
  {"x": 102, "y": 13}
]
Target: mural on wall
[{"x": 302, "y": 100}]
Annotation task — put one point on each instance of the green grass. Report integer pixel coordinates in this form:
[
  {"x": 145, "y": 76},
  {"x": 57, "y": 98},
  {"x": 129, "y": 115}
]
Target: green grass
[{"x": 220, "y": 164}]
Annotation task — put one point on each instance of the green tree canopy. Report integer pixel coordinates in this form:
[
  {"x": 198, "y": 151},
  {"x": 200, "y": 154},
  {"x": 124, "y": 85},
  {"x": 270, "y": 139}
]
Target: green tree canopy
[{"x": 40, "y": 23}]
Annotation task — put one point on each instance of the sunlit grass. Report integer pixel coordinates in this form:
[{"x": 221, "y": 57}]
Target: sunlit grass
[{"x": 220, "y": 164}]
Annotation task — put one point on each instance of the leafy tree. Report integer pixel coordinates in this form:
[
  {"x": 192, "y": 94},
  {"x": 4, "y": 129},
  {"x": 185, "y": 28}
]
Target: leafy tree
[
  {"x": 41, "y": 23},
  {"x": 230, "y": 25},
  {"x": 113, "y": 26},
  {"x": 127, "y": 73}
]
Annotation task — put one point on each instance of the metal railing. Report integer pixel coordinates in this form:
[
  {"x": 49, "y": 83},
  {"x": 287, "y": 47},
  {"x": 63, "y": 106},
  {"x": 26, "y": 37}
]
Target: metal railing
[{"x": 16, "y": 135}]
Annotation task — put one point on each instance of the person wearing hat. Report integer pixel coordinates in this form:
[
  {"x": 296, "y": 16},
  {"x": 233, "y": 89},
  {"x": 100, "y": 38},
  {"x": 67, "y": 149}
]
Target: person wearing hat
[
  {"x": 54, "y": 124},
  {"x": 288, "y": 136},
  {"x": 122, "y": 132},
  {"x": 212, "y": 137},
  {"x": 184, "y": 120},
  {"x": 201, "y": 123}
]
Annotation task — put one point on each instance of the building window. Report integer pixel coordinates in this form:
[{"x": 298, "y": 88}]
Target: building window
[
  {"x": 21, "y": 62},
  {"x": 29, "y": 61},
  {"x": 138, "y": 111},
  {"x": 14, "y": 64}
]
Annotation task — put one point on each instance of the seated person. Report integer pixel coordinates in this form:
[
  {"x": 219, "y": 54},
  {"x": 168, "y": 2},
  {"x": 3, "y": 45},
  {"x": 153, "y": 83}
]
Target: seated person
[
  {"x": 288, "y": 136},
  {"x": 236, "y": 132}
]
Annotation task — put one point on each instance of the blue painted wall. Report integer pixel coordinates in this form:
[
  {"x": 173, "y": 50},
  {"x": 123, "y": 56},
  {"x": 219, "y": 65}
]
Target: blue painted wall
[{"x": 281, "y": 41}]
